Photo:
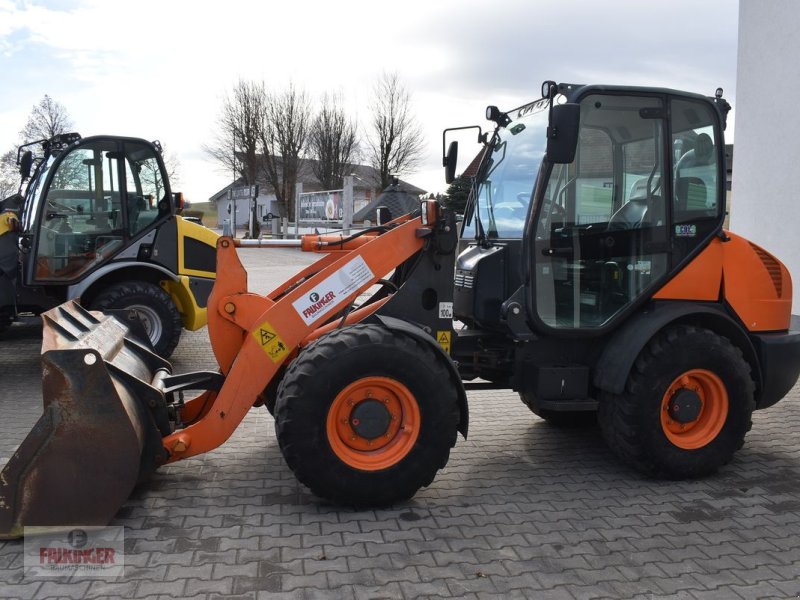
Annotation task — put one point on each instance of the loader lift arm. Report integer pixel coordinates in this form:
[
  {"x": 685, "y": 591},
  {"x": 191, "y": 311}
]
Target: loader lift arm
[{"x": 252, "y": 335}]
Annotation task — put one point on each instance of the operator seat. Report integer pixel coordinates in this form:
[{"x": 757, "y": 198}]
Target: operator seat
[
  {"x": 690, "y": 191},
  {"x": 136, "y": 205},
  {"x": 700, "y": 155},
  {"x": 629, "y": 216},
  {"x": 633, "y": 213}
]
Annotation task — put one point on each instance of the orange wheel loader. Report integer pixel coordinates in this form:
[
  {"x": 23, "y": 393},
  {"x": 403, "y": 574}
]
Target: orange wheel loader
[{"x": 592, "y": 275}]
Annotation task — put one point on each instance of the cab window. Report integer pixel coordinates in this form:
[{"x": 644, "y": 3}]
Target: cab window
[
  {"x": 81, "y": 222},
  {"x": 601, "y": 229},
  {"x": 98, "y": 198},
  {"x": 696, "y": 198},
  {"x": 146, "y": 193}
]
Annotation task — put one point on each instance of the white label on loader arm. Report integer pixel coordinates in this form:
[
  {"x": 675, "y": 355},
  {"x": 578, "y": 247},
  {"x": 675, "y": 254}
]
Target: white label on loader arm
[{"x": 335, "y": 288}]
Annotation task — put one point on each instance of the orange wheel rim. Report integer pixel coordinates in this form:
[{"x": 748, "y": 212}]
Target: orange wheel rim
[
  {"x": 694, "y": 409},
  {"x": 373, "y": 423}
]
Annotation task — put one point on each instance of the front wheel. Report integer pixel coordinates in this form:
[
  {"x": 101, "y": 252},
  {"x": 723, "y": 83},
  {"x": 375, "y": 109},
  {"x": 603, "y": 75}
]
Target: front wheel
[
  {"x": 154, "y": 306},
  {"x": 686, "y": 407},
  {"x": 366, "y": 416}
]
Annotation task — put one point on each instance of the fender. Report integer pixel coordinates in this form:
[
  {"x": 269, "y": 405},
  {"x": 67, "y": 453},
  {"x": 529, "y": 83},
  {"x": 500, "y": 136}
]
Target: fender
[
  {"x": 193, "y": 309},
  {"x": 417, "y": 333},
  {"x": 76, "y": 290},
  {"x": 615, "y": 363}
]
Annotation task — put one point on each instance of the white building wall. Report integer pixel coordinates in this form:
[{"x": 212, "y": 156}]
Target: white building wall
[{"x": 766, "y": 176}]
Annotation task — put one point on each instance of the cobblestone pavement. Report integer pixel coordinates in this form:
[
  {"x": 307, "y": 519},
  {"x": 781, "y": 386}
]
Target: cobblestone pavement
[{"x": 522, "y": 510}]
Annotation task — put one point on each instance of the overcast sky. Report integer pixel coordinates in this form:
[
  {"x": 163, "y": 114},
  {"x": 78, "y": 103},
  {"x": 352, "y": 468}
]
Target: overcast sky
[{"x": 160, "y": 69}]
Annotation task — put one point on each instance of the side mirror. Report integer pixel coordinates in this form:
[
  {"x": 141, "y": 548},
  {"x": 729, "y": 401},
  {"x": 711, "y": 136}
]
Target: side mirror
[
  {"x": 450, "y": 162},
  {"x": 562, "y": 134},
  {"x": 25, "y": 165}
]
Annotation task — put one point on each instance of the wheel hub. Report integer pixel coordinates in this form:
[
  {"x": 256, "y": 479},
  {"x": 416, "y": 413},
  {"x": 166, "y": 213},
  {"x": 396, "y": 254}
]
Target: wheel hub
[
  {"x": 373, "y": 423},
  {"x": 685, "y": 406},
  {"x": 370, "y": 419},
  {"x": 149, "y": 319}
]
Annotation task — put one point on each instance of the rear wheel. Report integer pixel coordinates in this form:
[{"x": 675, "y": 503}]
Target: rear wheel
[
  {"x": 686, "y": 407},
  {"x": 154, "y": 306},
  {"x": 367, "y": 416}
]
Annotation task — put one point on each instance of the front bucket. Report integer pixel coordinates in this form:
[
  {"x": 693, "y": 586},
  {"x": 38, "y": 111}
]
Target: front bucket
[{"x": 103, "y": 421}]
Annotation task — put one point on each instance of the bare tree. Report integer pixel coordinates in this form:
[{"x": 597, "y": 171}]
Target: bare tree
[
  {"x": 286, "y": 125},
  {"x": 150, "y": 173},
  {"x": 240, "y": 126},
  {"x": 397, "y": 143},
  {"x": 47, "y": 118},
  {"x": 332, "y": 143},
  {"x": 263, "y": 132},
  {"x": 173, "y": 166},
  {"x": 9, "y": 174}
]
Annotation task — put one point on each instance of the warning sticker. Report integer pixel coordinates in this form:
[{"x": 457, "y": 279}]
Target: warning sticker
[
  {"x": 443, "y": 337},
  {"x": 335, "y": 288},
  {"x": 271, "y": 342}
]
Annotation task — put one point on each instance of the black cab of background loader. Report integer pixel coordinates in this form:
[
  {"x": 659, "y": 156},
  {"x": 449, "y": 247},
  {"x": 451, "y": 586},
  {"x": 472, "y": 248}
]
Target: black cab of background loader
[
  {"x": 98, "y": 221},
  {"x": 594, "y": 275}
]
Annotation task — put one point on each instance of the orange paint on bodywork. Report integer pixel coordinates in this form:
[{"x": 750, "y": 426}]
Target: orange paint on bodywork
[
  {"x": 754, "y": 283},
  {"x": 699, "y": 280},
  {"x": 757, "y": 286}
]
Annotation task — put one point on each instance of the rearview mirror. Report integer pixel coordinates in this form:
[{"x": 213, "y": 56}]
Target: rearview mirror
[
  {"x": 450, "y": 162},
  {"x": 25, "y": 165},
  {"x": 562, "y": 134}
]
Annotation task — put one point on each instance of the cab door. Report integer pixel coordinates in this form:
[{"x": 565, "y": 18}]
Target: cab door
[{"x": 601, "y": 225}]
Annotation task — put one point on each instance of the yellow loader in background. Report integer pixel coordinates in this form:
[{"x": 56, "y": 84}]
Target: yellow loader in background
[{"x": 98, "y": 221}]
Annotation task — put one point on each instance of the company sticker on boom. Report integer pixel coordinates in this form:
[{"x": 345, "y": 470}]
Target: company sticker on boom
[{"x": 333, "y": 290}]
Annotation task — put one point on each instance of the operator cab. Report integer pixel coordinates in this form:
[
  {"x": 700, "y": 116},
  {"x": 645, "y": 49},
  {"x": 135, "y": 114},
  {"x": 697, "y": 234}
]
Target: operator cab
[
  {"x": 87, "y": 200},
  {"x": 586, "y": 202}
]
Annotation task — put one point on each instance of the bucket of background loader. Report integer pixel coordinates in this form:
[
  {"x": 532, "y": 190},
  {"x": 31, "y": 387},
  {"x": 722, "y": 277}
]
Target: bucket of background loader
[{"x": 101, "y": 429}]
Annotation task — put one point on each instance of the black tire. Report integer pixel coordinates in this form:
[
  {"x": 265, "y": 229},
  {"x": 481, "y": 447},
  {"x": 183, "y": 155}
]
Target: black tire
[
  {"x": 311, "y": 400},
  {"x": 158, "y": 312},
  {"x": 563, "y": 419},
  {"x": 711, "y": 373},
  {"x": 270, "y": 394}
]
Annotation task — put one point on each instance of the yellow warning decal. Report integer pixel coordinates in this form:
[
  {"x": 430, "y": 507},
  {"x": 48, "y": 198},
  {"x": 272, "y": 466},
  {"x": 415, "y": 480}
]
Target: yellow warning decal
[
  {"x": 443, "y": 337},
  {"x": 271, "y": 342}
]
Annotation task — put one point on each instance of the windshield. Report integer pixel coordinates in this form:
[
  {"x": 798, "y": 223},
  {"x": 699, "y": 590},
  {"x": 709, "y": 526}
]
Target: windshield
[{"x": 507, "y": 179}]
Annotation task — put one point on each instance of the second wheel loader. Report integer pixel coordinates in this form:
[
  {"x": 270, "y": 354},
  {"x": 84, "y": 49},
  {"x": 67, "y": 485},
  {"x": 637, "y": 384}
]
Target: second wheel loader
[
  {"x": 97, "y": 220},
  {"x": 592, "y": 275}
]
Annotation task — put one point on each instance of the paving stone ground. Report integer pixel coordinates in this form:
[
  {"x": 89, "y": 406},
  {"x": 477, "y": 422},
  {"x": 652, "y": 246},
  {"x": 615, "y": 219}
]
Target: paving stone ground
[{"x": 522, "y": 510}]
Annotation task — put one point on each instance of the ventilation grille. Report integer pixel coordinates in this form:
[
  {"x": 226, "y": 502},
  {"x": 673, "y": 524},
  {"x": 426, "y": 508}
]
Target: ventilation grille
[
  {"x": 772, "y": 266},
  {"x": 464, "y": 279}
]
